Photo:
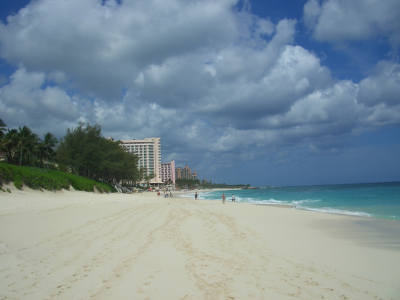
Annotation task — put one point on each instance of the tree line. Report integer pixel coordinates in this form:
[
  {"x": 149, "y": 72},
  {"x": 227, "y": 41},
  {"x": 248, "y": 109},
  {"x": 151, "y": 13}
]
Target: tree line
[
  {"x": 187, "y": 183},
  {"x": 195, "y": 183},
  {"x": 82, "y": 151},
  {"x": 23, "y": 147},
  {"x": 225, "y": 186}
]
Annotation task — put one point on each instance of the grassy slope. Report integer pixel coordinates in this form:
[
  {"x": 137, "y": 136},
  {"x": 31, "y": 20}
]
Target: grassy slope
[{"x": 37, "y": 178}]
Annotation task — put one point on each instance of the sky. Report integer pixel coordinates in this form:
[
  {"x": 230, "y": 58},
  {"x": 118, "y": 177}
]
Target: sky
[{"x": 296, "y": 92}]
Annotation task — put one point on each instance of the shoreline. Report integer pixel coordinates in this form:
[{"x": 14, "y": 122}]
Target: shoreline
[
  {"x": 386, "y": 233},
  {"x": 351, "y": 211},
  {"x": 77, "y": 245}
]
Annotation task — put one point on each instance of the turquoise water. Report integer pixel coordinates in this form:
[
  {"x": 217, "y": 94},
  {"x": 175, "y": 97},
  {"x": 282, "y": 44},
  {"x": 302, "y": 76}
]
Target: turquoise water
[{"x": 379, "y": 200}]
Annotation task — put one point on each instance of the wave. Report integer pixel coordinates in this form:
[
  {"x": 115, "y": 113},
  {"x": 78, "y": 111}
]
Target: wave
[
  {"x": 302, "y": 204},
  {"x": 281, "y": 202},
  {"x": 338, "y": 211},
  {"x": 330, "y": 210}
]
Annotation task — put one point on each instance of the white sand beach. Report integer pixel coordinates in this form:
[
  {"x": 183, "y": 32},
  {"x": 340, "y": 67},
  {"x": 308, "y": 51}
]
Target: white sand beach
[{"x": 77, "y": 245}]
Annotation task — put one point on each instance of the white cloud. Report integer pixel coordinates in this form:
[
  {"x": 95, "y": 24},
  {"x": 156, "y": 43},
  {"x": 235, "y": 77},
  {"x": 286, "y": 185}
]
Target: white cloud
[
  {"x": 26, "y": 100},
  {"x": 312, "y": 10},
  {"x": 320, "y": 109},
  {"x": 342, "y": 21},
  {"x": 382, "y": 86},
  {"x": 103, "y": 46}
]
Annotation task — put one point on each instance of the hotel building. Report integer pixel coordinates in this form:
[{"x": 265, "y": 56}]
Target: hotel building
[
  {"x": 185, "y": 173},
  {"x": 168, "y": 172},
  {"x": 149, "y": 153}
]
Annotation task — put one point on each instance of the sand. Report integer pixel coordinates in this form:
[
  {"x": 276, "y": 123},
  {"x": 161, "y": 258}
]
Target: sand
[{"x": 77, "y": 245}]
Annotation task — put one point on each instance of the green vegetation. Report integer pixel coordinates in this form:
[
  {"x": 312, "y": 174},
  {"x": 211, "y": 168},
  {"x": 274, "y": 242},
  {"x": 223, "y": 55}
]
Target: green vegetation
[
  {"x": 87, "y": 153},
  {"x": 82, "y": 151},
  {"x": 37, "y": 178},
  {"x": 48, "y": 144},
  {"x": 225, "y": 186},
  {"x": 24, "y": 148},
  {"x": 187, "y": 183}
]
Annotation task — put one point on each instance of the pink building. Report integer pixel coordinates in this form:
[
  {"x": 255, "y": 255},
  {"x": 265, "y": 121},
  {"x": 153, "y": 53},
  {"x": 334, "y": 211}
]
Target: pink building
[
  {"x": 185, "y": 173},
  {"x": 168, "y": 172}
]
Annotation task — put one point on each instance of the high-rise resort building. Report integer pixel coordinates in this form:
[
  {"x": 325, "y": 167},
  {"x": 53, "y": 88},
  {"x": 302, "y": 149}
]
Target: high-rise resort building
[
  {"x": 185, "y": 173},
  {"x": 168, "y": 172},
  {"x": 149, "y": 153}
]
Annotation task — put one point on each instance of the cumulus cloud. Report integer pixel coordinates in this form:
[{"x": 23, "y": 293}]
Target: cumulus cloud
[
  {"x": 342, "y": 21},
  {"x": 24, "y": 99},
  {"x": 382, "y": 86},
  {"x": 323, "y": 108},
  {"x": 103, "y": 46},
  {"x": 379, "y": 97}
]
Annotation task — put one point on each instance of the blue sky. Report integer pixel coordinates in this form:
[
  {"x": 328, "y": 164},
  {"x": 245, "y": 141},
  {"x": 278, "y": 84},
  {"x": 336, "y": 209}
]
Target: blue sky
[{"x": 260, "y": 92}]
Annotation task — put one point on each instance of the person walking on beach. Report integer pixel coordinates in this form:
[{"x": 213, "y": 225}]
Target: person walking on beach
[
  {"x": 223, "y": 198},
  {"x": 233, "y": 198},
  {"x": 195, "y": 196}
]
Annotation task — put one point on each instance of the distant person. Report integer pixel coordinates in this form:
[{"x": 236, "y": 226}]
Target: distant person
[
  {"x": 195, "y": 196},
  {"x": 223, "y": 198},
  {"x": 233, "y": 198},
  {"x": 170, "y": 194}
]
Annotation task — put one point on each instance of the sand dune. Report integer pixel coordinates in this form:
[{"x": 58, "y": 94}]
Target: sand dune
[{"x": 76, "y": 245}]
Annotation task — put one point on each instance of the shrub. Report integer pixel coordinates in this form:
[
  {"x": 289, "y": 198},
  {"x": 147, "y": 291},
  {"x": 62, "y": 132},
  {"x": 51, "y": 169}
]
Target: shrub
[
  {"x": 37, "y": 178},
  {"x": 18, "y": 184},
  {"x": 63, "y": 168}
]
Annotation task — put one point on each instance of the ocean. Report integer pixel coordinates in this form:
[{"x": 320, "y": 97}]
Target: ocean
[{"x": 375, "y": 200}]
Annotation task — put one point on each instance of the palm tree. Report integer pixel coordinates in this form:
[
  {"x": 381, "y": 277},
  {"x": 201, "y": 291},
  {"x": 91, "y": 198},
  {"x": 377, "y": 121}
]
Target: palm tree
[
  {"x": 3, "y": 128},
  {"x": 40, "y": 153},
  {"x": 9, "y": 144},
  {"x": 31, "y": 147},
  {"x": 25, "y": 137},
  {"x": 49, "y": 143}
]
